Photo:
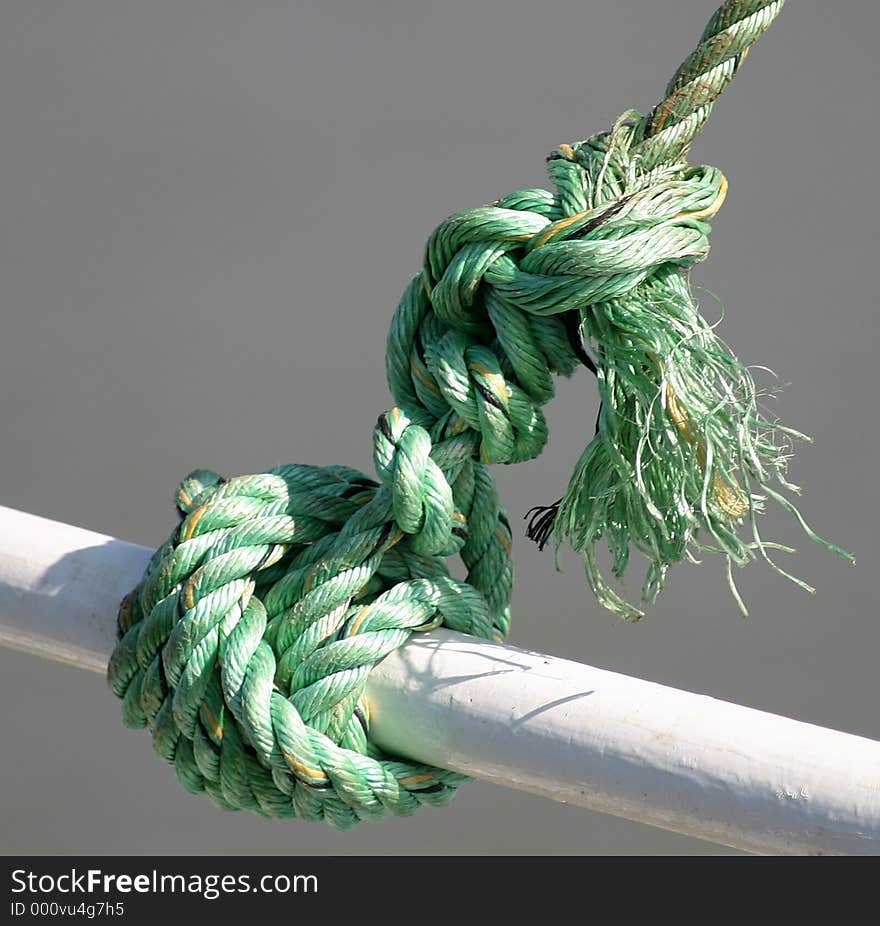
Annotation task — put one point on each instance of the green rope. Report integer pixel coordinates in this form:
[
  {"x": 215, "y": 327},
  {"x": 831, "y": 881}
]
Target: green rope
[{"x": 246, "y": 647}]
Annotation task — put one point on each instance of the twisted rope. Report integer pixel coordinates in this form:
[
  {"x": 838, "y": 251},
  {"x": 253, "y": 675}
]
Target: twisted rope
[{"x": 246, "y": 647}]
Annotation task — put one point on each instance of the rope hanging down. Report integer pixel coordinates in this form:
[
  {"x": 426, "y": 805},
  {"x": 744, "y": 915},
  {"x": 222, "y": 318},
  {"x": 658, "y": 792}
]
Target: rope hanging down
[{"x": 246, "y": 647}]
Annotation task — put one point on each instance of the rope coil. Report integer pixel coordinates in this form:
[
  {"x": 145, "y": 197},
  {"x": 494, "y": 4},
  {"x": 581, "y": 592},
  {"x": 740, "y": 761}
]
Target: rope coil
[{"x": 246, "y": 647}]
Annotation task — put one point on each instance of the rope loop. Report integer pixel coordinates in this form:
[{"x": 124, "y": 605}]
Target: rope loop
[{"x": 421, "y": 498}]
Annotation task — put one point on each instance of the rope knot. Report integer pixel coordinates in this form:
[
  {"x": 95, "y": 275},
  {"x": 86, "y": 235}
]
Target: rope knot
[{"x": 247, "y": 644}]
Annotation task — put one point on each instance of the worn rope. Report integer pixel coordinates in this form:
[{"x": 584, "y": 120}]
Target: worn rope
[{"x": 247, "y": 645}]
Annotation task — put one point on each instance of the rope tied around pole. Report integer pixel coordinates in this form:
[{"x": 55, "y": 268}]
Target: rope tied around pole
[{"x": 246, "y": 647}]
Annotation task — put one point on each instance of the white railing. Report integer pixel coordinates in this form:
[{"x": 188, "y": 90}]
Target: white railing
[{"x": 573, "y": 733}]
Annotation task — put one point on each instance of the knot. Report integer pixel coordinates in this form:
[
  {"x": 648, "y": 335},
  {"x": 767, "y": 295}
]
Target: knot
[
  {"x": 246, "y": 647},
  {"x": 600, "y": 252},
  {"x": 606, "y": 251},
  {"x": 497, "y": 308}
]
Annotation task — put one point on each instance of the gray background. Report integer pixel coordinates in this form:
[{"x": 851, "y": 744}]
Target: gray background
[{"x": 207, "y": 214}]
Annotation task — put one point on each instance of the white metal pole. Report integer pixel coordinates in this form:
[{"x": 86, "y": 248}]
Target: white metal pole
[{"x": 577, "y": 734}]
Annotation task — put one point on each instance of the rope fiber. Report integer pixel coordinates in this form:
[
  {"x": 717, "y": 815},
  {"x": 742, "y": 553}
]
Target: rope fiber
[{"x": 246, "y": 647}]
